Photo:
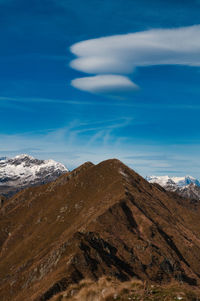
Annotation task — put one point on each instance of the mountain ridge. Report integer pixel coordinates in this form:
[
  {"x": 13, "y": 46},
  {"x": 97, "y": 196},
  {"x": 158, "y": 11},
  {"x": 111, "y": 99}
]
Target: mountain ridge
[{"x": 97, "y": 220}]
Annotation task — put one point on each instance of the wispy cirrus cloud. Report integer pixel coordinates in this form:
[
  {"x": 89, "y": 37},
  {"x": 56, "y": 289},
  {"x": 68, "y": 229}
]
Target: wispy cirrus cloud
[
  {"x": 78, "y": 143},
  {"x": 117, "y": 56},
  {"x": 96, "y": 141},
  {"x": 73, "y": 145}
]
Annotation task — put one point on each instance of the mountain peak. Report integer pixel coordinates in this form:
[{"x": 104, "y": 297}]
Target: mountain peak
[
  {"x": 24, "y": 170},
  {"x": 23, "y": 156}
]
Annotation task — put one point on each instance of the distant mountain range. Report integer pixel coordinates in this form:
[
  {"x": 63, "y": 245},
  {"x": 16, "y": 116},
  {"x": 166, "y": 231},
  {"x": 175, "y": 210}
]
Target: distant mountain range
[
  {"x": 188, "y": 187},
  {"x": 24, "y": 171}
]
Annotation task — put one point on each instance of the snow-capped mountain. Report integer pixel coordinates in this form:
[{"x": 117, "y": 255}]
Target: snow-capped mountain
[
  {"x": 176, "y": 181},
  {"x": 24, "y": 171},
  {"x": 187, "y": 186}
]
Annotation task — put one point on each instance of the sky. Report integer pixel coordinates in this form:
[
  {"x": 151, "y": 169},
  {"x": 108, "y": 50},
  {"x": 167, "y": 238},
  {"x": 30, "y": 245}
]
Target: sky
[{"x": 97, "y": 79}]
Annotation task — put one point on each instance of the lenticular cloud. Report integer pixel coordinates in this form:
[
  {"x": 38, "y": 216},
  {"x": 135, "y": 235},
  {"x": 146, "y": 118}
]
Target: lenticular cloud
[
  {"x": 120, "y": 54},
  {"x": 104, "y": 84}
]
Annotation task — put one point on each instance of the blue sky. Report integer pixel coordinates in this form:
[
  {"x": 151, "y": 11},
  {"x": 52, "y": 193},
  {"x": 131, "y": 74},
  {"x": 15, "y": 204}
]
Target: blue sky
[{"x": 139, "y": 103}]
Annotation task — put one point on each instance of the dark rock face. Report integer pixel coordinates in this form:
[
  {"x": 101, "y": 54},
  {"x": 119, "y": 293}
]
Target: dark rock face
[
  {"x": 96, "y": 220},
  {"x": 24, "y": 171},
  {"x": 2, "y": 200}
]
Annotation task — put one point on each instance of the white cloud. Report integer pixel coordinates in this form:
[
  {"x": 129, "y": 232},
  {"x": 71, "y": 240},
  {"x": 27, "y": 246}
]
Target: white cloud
[
  {"x": 120, "y": 54},
  {"x": 102, "y": 64},
  {"x": 104, "y": 84}
]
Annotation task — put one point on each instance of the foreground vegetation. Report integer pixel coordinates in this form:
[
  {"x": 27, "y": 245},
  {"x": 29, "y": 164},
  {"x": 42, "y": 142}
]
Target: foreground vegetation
[{"x": 109, "y": 289}]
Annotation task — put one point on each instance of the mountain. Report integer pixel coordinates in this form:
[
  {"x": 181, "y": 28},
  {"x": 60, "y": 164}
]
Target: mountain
[
  {"x": 24, "y": 171},
  {"x": 176, "y": 181},
  {"x": 95, "y": 221},
  {"x": 191, "y": 191},
  {"x": 187, "y": 187}
]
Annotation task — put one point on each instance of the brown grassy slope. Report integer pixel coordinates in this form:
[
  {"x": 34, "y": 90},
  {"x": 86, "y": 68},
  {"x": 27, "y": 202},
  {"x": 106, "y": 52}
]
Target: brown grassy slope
[{"x": 97, "y": 220}]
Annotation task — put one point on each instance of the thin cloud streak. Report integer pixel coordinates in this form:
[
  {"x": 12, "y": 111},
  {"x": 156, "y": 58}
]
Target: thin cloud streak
[
  {"x": 4, "y": 99},
  {"x": 45, "y": 100}
]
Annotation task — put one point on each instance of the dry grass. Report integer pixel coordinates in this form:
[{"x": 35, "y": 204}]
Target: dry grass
[{"x": 109, "y": 289}]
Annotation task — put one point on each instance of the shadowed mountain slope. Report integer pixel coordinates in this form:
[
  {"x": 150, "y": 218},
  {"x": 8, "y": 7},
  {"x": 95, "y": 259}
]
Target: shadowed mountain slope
[{"x": 96, "y": 220}]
